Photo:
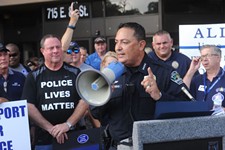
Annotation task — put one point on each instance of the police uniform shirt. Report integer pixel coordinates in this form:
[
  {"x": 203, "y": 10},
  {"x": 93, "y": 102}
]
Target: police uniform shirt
[
  {"x": 53, "y": 93},
  {"x": 129, "y": 101},
  {"x": 178, "y": 61},
  {"x": 205, "y": 93},
  {"x": 12, "y": 87}
]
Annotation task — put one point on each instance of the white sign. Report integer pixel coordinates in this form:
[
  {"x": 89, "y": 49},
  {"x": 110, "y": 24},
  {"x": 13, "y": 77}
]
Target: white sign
[
  {"x": 192, "y": 37},
  {"x": 14, "y": 126},
  {"x": 63, "y": 12}
]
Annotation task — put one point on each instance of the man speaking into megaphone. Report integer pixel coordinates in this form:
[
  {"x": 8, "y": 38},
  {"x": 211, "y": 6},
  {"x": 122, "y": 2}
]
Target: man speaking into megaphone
[{"x": 142, "y": 84}]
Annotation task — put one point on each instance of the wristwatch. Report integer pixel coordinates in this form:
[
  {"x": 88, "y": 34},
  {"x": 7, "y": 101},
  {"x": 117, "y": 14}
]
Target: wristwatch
[{"x": 71, "y": 127}]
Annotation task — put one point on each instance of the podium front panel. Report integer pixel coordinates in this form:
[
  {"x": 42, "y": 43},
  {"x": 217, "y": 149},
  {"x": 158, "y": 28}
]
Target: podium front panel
[
  {"x": 180, "y": 132},
  {"x": 196, "y": 144}
]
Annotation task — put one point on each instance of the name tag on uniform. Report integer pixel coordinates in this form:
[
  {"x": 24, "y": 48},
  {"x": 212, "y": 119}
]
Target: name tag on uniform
[{"x": 201, "y": 88}]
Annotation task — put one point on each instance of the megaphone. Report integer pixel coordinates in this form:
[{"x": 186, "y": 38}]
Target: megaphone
[{"x": 94, "y": 86}]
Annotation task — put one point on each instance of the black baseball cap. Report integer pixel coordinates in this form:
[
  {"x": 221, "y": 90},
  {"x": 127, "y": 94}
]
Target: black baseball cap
[
  {"x": 3, "y": 48},
  {"x": 100, "y": 40}
]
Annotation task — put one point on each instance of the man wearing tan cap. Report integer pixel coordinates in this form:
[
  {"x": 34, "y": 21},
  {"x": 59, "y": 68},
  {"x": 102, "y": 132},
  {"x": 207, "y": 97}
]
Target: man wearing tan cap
[{"x": 95, "y": 59}]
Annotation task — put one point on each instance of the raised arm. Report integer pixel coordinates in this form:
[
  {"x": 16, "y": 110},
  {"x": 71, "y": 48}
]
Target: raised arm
[
  {"x": 195, "y": 64},
  {"x": 67, "y": 36}
]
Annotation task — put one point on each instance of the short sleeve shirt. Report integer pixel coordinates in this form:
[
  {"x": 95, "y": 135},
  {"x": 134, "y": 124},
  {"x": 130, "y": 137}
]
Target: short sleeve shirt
[
  {"x": 204, "y": 90},
  {"x": 12, "y": 87},
  {"x": 53, "y": 92}
]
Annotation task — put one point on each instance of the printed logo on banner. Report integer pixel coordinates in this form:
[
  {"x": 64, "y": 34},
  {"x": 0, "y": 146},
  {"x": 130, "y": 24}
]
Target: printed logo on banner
[{"x": 83, "y": 138}]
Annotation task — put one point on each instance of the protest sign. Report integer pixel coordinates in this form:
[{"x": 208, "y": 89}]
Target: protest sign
[{"x": 14, "y": 126}]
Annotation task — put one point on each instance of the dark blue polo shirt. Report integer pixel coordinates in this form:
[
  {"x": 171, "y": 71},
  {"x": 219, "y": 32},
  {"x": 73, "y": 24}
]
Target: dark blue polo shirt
[
  {"x": 200, "y": 85},
  {"x": 12, "y": 87},
  {"x": 178, "y": 61}
]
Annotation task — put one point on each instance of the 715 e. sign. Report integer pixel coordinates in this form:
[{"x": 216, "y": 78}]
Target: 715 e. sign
[{"x": 62, "y": 12}]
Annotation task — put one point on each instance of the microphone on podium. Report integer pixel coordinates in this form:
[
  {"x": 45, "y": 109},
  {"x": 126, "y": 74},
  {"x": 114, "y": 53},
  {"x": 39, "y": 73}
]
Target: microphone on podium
[
  {"x": 187, "y": 93},
  {"x": 175, "y": 77}
]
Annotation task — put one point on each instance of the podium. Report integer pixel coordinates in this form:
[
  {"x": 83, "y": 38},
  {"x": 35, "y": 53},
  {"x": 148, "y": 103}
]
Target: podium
[{"x": 194, "y": 133}]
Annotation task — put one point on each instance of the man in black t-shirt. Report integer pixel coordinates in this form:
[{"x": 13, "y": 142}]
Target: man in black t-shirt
[{"x": 53, "y": 102}]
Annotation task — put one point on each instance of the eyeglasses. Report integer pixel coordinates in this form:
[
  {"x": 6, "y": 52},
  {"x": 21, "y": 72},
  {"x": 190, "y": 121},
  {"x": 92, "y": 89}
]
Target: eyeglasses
[
  {"x": 5, "y": 86},
  {"x": 208, "y": 56},
  {"x": 75, "y": 50},
  {"x": 13, "y": 55}
]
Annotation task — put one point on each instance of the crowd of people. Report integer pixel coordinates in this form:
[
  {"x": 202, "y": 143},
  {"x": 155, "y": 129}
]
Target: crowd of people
[{"x": 147, "y": 78}]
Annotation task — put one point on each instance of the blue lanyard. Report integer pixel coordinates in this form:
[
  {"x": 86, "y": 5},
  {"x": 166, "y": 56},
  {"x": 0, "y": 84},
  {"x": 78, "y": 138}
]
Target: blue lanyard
[{"x": 206, "y": 91}]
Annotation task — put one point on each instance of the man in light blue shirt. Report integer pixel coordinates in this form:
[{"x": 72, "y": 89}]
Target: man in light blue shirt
[{"x": 95, "y": 59}]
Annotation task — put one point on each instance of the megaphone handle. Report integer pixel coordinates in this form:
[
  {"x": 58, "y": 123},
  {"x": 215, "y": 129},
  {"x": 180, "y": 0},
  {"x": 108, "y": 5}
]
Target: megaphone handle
[{"x": 98, "y": 83}]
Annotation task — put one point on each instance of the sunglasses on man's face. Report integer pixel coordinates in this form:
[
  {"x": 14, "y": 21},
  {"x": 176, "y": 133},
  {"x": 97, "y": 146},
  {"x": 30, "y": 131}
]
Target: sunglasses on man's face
[
  {"x": 75, "y": 50},
  {"x": 13, "y": 55}
]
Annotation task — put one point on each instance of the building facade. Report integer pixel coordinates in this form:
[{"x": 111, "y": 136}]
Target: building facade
[{"x": 24, "y": 22}]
